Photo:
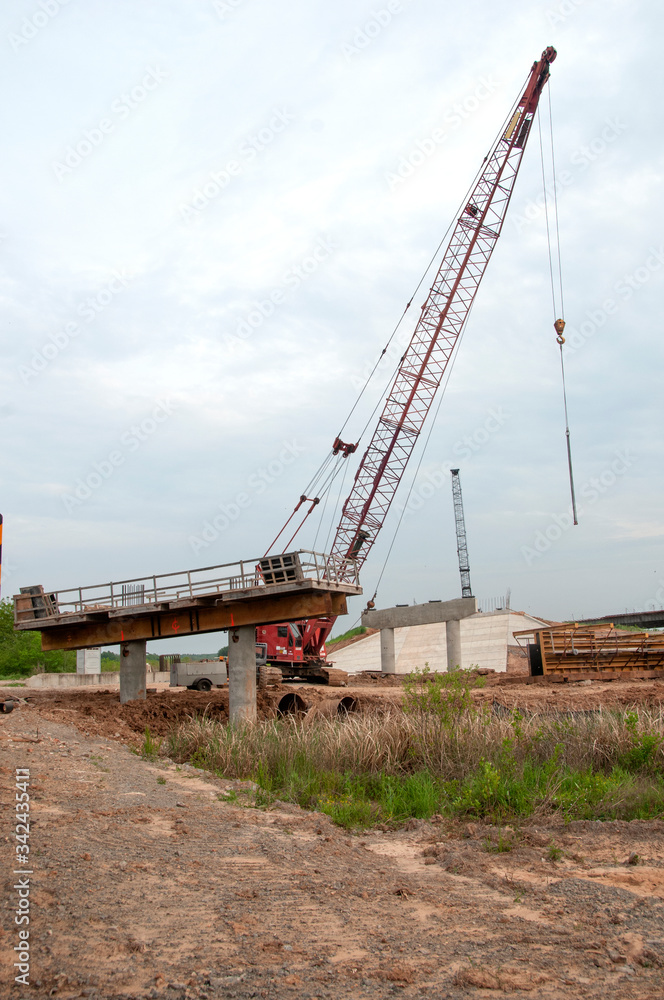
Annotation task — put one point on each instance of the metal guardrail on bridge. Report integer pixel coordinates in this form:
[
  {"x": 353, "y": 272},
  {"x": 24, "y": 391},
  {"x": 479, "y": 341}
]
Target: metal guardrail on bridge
[{"x": 187, "y": 585}]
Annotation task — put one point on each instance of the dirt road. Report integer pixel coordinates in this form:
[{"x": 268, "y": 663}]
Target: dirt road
[{"x": 149, "y": 882}]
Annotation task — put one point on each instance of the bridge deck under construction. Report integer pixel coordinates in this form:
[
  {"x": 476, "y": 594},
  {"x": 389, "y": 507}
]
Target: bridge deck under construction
[{"x": 255, "y": 591}]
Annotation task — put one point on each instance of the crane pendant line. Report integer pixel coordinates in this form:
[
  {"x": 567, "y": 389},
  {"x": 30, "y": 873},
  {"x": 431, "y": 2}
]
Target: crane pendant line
[{"x": 437, "y": 331}]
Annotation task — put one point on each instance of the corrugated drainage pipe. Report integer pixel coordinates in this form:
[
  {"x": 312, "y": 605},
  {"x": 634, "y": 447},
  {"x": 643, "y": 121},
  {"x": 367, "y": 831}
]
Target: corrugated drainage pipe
[
  {"x": 292, "y": 704},
  {"x": 337, "y": 706}
]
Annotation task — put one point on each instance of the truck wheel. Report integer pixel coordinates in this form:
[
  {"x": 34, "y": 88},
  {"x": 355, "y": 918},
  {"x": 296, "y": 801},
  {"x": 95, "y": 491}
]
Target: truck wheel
[{"x": 204, "y": 685}]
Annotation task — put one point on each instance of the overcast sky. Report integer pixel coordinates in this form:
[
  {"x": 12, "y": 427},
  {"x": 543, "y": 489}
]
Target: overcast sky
[{"x": 212, "y": 216}]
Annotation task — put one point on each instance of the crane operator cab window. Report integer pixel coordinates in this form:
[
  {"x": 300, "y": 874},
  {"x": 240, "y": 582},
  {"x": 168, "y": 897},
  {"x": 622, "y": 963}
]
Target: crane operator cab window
[
  {"x": 283, "y": 633},
  {"x": 292, "y": 633},
  {"x": 296, "y": 636}
]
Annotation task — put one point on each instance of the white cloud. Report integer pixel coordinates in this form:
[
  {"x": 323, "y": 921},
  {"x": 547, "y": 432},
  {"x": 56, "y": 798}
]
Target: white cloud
[{"x": 167, "y": 333}]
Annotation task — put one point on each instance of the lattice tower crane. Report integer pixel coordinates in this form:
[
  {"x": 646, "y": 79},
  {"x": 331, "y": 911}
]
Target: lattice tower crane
[{"x": 462, "y": 545}]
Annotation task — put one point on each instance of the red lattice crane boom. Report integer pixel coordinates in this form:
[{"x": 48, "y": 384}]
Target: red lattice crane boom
[{"x": 437, "y": 332}]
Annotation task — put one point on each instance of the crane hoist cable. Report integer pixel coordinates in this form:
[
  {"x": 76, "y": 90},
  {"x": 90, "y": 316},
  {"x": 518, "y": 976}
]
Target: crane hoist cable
[
  {"x": 477, "y": 228},
  {"x": 325, "y": 492},
  {"x": 423, "y": 364},
  {"x": 559, "y": 323},
  {"x": 333, "y": 521},
  {"x": 417, "y": 470}
]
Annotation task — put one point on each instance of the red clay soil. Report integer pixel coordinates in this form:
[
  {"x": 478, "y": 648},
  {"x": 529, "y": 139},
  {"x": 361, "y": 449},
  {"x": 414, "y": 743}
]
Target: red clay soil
[
  {"x": 571, "y": 696},
  {"x": 100, "y": 712}
]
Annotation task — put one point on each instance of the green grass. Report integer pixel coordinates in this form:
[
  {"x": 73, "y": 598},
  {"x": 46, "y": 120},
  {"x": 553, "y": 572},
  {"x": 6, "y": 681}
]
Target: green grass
[
  {"x": 442, "y": 754},
  {"x": 358, "y": 801},
  {"x": 360, "y": 630},
  {"x": 354, "y": 801},
  {"x": 150, "y": 747}
]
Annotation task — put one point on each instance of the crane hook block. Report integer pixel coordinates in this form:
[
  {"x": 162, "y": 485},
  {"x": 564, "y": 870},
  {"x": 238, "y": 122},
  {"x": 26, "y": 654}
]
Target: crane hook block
[
  {"x": 341, "y": 446},
  {"x": 559, "y": 326}
]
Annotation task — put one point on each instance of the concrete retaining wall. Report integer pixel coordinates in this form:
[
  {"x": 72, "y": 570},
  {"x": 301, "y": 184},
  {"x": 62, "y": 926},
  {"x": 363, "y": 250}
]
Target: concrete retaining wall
[
  {"x": 106, "y": 679},
  {"x": 484, "y": 642}
]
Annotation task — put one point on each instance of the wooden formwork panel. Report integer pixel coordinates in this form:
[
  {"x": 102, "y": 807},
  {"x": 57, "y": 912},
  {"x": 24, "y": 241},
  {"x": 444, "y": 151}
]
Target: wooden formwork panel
[{"x": 601, "y": 650}]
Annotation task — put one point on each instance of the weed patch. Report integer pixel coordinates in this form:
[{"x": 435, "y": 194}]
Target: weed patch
[
  {"x": 441, "y": 755},
  {"x": 150, "y": 747}
]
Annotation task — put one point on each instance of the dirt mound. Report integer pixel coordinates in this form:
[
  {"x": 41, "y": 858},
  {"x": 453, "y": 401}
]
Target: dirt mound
[
  {"x": 572, "y": 696},
  {"x": 100, "y": 712}
]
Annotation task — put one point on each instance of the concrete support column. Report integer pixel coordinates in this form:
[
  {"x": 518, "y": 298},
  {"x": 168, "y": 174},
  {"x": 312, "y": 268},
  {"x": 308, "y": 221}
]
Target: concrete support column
[
  {"x": 453, "y": 633},
  {"x": 132, "y": 671},
  {"x": 242, "y": 674},
  {"x": 387, "y": 659}
]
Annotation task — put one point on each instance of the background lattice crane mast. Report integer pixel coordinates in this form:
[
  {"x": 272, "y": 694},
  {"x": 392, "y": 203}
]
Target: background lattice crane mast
[{"x": 462, "y": 546}]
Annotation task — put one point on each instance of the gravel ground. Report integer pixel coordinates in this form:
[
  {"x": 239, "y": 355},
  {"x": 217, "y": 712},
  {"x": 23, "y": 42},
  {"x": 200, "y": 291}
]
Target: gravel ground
[{"x": 157, "y": 881}]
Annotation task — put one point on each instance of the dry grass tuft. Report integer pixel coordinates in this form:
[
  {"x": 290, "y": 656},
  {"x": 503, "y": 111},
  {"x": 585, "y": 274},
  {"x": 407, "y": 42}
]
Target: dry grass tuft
[
  {"x": 396, "y": 743},
  {"x": 372, "y": 768}
]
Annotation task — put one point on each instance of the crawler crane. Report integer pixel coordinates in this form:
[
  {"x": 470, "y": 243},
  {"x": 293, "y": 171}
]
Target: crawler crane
[{"x": 420, "y": 372}]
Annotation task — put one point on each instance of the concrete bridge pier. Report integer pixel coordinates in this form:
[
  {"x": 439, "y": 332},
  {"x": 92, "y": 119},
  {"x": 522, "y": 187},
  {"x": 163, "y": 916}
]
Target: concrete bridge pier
[
  {"x": 242, "y": 674},
  {"x": 132, "y": 671},
  {"x": 405, "y": 616},
  {"x": 453, "y": 638},
  {"x": 387, "y": 660}
]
